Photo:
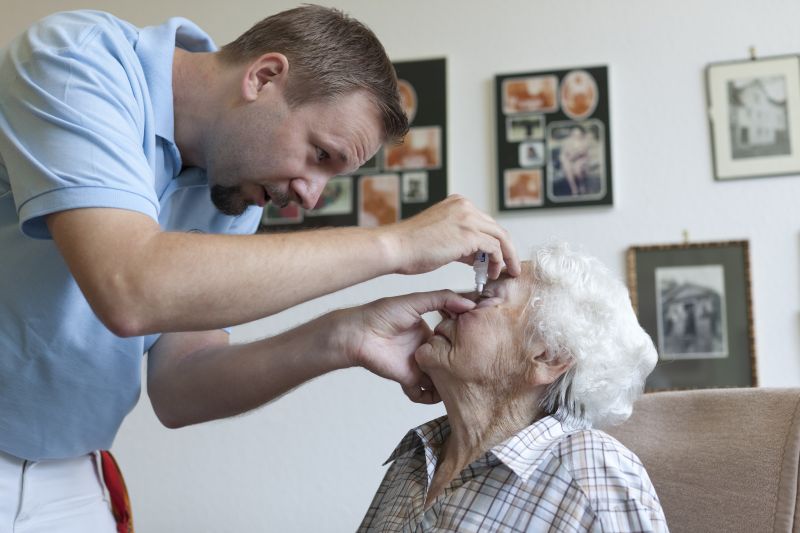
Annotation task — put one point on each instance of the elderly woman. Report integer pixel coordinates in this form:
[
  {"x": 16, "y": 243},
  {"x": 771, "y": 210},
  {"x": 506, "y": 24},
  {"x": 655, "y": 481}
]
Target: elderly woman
[{"x": 525, "y": 376}]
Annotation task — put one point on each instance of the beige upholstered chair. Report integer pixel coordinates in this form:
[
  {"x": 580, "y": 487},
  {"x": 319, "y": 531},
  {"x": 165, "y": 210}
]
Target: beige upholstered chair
[{"x": 722, "y": 460}]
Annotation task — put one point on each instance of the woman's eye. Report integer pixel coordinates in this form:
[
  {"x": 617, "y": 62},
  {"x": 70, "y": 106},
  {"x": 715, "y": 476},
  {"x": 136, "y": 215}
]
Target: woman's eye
[{"x": 322, "y": 155}]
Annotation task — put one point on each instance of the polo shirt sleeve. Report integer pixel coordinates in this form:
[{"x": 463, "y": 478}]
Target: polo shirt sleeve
[
  {"x": 247, "y": 223},
  {"x": 73, "y": 107}
]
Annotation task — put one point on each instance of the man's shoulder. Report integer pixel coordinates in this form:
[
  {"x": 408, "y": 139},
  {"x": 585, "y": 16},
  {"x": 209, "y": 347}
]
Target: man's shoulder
[{"x": 73, "y": 28}]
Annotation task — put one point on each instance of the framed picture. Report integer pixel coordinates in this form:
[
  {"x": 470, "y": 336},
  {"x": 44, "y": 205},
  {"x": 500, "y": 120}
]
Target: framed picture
[
  {"x": 754, "y": 113},
  {"x": 694, "y": 301},
  {"x": 553, "y": 139}
]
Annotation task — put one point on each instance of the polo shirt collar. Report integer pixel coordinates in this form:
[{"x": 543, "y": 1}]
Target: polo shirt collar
[{"x": 156, "y": 49}]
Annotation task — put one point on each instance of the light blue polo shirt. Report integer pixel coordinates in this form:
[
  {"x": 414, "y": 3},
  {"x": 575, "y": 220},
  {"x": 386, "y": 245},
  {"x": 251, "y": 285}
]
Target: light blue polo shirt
[{"x": 86, "y": 120}]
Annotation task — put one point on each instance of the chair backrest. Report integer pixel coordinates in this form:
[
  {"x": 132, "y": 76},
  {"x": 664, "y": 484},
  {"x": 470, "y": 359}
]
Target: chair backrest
[{"x": 720, "y": 459}]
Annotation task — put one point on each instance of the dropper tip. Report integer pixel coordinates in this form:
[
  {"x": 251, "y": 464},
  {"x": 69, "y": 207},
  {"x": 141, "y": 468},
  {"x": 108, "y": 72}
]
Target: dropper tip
[{"x": 480, "y": 288}]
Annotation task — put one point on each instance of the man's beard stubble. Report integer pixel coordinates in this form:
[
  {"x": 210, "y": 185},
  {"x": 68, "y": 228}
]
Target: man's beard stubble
[{"x": 229, "y": 200}]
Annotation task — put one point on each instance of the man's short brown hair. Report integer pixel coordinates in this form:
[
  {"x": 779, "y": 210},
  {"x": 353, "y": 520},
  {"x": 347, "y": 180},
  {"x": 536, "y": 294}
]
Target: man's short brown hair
[{"x": 330, "y": 54}]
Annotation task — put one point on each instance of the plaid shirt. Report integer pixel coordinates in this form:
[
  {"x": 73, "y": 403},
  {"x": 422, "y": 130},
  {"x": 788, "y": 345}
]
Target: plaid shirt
[{"x": 547, "y": 477}]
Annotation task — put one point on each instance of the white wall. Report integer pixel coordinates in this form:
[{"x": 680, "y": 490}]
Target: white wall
[{"x": 312, "y": 460}]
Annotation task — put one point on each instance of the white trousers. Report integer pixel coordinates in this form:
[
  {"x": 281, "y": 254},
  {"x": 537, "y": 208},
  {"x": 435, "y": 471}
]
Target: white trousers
[{"x": 61, "y": 496}]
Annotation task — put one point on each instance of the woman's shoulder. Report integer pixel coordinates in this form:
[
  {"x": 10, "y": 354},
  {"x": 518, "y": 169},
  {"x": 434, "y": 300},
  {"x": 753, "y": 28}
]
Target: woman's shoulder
[{"x": 586, "y": 450}]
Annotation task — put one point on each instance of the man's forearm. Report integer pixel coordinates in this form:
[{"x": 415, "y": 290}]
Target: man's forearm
[
  {"x": 224, "y": 380},
  {"x": 244, "y": 278},
  {"x": 139, "y": 279}
]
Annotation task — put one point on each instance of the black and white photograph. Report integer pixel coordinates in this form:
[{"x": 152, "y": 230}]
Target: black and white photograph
[
  {"x": 557, "y": 123},
  {"x": 576, "y": 170},
  {"x": 531, "y": 154},
  {"x": 415, "y": 187},
  {"x": 524, "y": 127},
  {"x": 690, "y": 301},
  {"x": 758, "y": 121},
  {"x": 753, "y": 108},
  {"x": 695, "y": 302}
]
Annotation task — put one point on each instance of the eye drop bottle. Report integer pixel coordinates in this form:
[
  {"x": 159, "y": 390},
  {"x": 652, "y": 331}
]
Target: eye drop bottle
[{"x": 481, "y": 267}]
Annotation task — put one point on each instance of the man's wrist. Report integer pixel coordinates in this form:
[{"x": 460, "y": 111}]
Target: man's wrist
[
  {"x": 342, "y": 342},
  {"x": 390, "y": 245}
]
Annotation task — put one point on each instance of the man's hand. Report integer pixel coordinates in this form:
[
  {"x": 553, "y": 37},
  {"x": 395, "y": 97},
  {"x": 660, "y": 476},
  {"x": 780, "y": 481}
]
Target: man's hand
[
  {"x": 382, "y": 336},
  {"x": 452, "y": 230}
]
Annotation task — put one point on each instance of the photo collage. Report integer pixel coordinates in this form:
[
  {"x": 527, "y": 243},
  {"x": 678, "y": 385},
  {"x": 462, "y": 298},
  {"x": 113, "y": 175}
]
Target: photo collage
[
  {"x": 553, "y": 139},
  {"x": 400, "y": 180}
]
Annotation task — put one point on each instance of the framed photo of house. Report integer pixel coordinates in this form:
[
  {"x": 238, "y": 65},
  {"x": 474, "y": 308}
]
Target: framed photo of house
[
  {"x": 754, "y": 113},
  {"x": 694, "y": 300}
]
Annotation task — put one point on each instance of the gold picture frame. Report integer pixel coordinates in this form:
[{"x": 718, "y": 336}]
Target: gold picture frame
[{"x": 694, "y": 299}]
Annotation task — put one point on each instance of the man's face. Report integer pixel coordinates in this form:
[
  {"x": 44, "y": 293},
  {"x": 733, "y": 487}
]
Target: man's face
[
  {"x": 268, "y": 151},
  {"x": 486, "y": 343}
]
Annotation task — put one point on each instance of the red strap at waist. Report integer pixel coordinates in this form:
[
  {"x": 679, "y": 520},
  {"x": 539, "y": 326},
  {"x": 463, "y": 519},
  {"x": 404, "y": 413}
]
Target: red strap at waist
[{"x": 115, "y": 483}]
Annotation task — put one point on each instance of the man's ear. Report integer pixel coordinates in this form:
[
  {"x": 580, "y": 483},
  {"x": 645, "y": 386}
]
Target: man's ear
[
  {"x": 543, "y": 369},
  {"x": 268, "y": 68}
]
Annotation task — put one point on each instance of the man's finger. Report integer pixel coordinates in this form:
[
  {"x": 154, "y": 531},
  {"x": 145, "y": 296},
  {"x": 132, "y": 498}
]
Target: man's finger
[{"x": 505, "y": 248}]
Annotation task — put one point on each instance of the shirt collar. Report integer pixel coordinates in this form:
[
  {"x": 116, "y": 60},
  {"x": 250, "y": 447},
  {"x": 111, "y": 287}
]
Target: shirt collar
[
  {"x": 525, "y": 451},
  {"x": 430, "y": 435},
  {"x": 155, "y": 49},
  {"x": 522, "y": 452}
]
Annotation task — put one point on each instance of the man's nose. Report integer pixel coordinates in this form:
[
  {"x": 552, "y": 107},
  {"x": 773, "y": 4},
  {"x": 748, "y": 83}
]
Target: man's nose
[{"x": 309, "y": 190}]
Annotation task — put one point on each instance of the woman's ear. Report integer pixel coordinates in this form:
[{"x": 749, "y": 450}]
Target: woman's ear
[{"x": 544, "y": 370}]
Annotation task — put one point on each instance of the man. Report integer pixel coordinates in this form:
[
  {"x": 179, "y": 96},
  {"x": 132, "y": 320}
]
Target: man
[
  {"x": 110, "y": 139},
  {"x": 526, "y": 376}
]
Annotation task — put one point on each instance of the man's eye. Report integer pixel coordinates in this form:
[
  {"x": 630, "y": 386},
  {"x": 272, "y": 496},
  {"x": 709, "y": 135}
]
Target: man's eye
[{"x": 322, "y": 155}]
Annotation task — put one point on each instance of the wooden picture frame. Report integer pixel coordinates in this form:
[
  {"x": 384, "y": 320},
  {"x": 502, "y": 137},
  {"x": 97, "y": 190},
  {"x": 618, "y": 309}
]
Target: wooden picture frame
[{"x": 694, "y": 299}]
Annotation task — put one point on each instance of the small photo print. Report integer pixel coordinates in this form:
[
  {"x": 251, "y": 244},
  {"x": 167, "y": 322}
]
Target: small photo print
[
  {"x": 531, "y": 154},
  {"x": 576, "y": 162},
  {"x": 758, "y": 117},
  {"x": 523, "y": 187},
  {"x": 579, "y": 94},
  {"x": 524, "y": 127},
  {"x": 690, "y": 301},
  {"x": 421, "y": 149},
  {"x": 379, "y": 200},
  {"x": 408, "y": 99},
  {"x": 336, "y": 198},
  {"x": 415, "y": 187},
  {"x": 274, "y": 215},
  {"x": 534, "y": 93}
]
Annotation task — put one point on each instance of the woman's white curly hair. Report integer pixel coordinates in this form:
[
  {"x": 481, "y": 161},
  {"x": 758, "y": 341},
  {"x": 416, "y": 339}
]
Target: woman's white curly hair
[{"x": 583, "y": 314}]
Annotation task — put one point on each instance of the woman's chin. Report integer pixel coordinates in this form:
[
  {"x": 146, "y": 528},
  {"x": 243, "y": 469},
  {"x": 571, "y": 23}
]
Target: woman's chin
[{"x": 429, "y": 355}]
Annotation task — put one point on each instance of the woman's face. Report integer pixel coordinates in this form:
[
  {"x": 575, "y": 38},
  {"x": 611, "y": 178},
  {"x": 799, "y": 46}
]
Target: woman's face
[{"x": 485, "y": 344}]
